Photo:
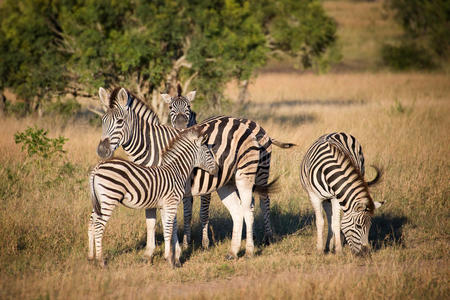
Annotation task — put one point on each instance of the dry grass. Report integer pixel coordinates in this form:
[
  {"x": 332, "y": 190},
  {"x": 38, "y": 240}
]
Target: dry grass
[
  {"x": 402, "y": 122},
  {"x": 400, "y": 119}
]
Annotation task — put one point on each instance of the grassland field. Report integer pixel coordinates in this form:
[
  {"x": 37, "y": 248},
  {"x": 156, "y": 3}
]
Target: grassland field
[{"x": 402, "y": 121}]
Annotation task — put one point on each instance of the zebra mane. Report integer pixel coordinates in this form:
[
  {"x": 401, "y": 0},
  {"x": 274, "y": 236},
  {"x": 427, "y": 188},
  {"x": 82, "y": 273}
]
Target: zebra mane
[
  {"x": 353, "y": 163},
  {"x": 173, "y": 144},
  {"x": 135, "y": 103}
]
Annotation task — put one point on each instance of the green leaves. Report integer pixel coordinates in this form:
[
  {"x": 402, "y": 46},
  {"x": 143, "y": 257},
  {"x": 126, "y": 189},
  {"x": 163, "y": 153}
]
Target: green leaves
[
  {"x": 54, "y": 47},
  {"x": 36, "y": 142}
]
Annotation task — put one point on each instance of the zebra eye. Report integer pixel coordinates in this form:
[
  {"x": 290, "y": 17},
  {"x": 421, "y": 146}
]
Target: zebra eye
[
  {"x": 170, "y": 106},
  {"x": 119, "y": 121}
]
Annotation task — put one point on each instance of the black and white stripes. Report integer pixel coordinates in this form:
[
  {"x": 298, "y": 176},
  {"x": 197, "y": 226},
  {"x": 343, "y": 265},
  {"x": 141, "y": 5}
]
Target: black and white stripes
[
  {"x": 332, "y": 173},
  {"x": 118, "y": 181},
  {"x": 241, "y": 148}
]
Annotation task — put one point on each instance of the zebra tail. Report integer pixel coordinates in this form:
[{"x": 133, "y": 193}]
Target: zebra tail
[
  {"x": 377, "y": 176},
  {"x": 94, "y": 198},
  {"x": 281, "y": 144},
  {"x": 271, "y": 187}
]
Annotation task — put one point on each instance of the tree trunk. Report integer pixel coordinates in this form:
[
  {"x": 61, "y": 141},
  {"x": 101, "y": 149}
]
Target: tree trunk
[
  {"x": 2, "y": 104},
  {"x": 243, "y": 87}
]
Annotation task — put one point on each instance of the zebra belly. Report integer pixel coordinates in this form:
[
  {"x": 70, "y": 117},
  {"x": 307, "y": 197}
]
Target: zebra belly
[{"x": 136, "y": 202}]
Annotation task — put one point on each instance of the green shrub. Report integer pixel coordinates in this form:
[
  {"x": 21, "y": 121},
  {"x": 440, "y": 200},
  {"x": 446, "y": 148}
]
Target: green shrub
[
  {"x": 18, "y": 109},
  {"x": 66, "y": 109},
  {"x": 36, "y": 142},
  {"x": 406, "y": 56}
]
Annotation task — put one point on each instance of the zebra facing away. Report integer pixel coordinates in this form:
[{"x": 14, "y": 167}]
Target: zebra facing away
[
  {"x": 118, "y": 181},
  {"x": 241, "y": 148},
  {"x": 182, "y": 116},
  {"x": 332, "y": 173}
]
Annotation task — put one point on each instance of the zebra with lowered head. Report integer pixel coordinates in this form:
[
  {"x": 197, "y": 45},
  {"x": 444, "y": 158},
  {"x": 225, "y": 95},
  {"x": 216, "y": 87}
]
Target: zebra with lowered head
[
  {"x": 241, "y": 148},
  {"x": 182, "y": 116},
  {"x": 332, "y": 173},
  {"x": 118, "y": 181}
]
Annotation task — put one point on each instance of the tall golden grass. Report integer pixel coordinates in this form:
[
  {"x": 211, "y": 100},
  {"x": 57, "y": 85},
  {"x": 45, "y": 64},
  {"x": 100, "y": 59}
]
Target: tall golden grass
[{"x": 402, "y": 122}]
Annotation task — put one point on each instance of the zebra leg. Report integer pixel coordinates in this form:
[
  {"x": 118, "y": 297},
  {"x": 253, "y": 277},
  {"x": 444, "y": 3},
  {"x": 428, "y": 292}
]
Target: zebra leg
[
  {"x": 336, "y": 224},
  {"x": 204, "y": 219},
  {"x": 150, "y": 219},
  {"x": 168, "y": 215},
  {"x": 329, "y": 246},
  {"x": 187, "y": 211},
  {"x": 231, "y": 201},
  {"x": 245, "y": 188},
  {"x": 264, "y": 203},
  {"x": 317, "y": 205},
  {"x": 91, "y": 236},
  {"x": 99, "y": 228}
]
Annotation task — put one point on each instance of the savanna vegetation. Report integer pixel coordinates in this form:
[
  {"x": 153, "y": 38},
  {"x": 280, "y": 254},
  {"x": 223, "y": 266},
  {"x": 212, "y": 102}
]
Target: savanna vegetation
[{"x": 400, "y": 118}]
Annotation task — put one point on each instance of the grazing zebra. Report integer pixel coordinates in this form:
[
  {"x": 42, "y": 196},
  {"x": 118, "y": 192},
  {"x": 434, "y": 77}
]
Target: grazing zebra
[
  {"x": 241, "y": 147},
  {"x": 182, "y": 116},
  {"x": 333, "y": 171},
  {"x": 118, "y": 181}
]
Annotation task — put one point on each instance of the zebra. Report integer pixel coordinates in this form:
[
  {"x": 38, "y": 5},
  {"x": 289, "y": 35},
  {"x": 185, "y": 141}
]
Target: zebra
[
  {"x": 332, "y": 173},
  {"x": 180, "y": 113},
  {"x": 241, "y": 147},
  {"x": 182, "y": 116},
  {"x": 119, "y": 181}
]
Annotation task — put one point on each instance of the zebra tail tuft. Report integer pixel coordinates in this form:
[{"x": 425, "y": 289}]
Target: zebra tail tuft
[
  {"x": 281, "y": 144},
  {"x": 271, "y": 187},
  {"x": 377, "y": 176},
  {"x": 94, "y": 198}
]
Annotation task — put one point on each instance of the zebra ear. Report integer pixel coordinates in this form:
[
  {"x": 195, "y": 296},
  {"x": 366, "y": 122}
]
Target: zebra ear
[
  {"x": 122, "y": 97},
  {"x": 166, "y": 98},
  {"x": 190, "y": 96},
  {"x": 104, "y": 98}
]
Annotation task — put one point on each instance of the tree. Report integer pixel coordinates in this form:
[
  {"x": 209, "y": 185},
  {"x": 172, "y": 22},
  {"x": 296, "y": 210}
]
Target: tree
[
  {"x": 426, "y": 32},
  {"x": 59, "y": 47}
]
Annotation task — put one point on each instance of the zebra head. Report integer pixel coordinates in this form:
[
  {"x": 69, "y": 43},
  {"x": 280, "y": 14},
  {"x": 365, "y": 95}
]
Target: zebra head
[
  {"x": 181, "y": 115},
  {"x": 204, "y": 158},
  {"x": 356, "y": 225},
  {"x": 115, "y": 122}
]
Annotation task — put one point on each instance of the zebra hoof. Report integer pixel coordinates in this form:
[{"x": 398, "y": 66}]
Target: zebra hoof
[
  {"x": 268, "y": 239},
  {"x": 230, "y": 256},
  {"x": 177, "y": 264},
  {"x": 101, "y": 263}
]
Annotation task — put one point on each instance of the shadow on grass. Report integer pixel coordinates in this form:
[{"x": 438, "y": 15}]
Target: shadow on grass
[
  {"x": 283, "y": 224},
  {"x": 387, "y": 231}
]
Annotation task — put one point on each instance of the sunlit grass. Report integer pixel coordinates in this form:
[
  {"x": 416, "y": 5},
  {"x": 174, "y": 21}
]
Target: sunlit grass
[{"x": 402, "y": 122}]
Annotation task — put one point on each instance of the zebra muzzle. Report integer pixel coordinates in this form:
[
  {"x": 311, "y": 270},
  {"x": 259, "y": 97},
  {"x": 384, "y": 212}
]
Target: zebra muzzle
[
  {"x": 181, "y": 121},
  {"x": 104, "y": 149}
]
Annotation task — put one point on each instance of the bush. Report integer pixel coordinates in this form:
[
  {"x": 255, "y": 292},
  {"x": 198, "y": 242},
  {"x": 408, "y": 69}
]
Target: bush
[
  {"x": 66, "y": 109},
  {"x": 36, "y": 142},
  {"x": 406, "y": 56}
]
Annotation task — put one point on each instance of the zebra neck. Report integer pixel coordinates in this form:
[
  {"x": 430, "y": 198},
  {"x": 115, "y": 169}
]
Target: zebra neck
[
  {"x": 182, "y": 163},
  {"x": 147, "y": 136}
]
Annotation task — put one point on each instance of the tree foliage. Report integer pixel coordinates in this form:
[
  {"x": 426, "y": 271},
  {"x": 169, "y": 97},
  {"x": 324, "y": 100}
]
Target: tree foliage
[
  {"x": 427, "y": 36},
  {"x": 56, "y": 47}
]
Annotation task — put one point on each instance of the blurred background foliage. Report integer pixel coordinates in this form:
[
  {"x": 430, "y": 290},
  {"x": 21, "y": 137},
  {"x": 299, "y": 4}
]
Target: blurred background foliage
[{"x": 54, "y": 48}]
